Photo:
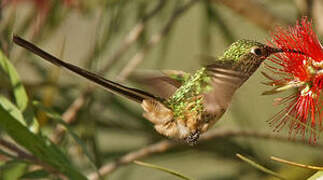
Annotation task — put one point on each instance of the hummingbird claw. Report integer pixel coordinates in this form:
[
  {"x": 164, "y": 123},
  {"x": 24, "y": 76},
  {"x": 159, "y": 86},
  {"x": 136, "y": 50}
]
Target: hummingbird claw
[{"x": 193, "y": 138}]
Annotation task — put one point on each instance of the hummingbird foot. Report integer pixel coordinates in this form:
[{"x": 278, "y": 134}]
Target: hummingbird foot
[{"x": 192, "y": 139}]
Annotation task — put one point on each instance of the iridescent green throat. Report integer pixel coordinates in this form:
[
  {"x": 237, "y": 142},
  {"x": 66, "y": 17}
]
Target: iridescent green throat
[{"x": 188, "y": 94}]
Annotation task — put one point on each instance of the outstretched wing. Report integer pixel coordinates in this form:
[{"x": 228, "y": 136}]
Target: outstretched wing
[
  {"x": 162, "y": 84},
  {"x": 224, "y": 81}
]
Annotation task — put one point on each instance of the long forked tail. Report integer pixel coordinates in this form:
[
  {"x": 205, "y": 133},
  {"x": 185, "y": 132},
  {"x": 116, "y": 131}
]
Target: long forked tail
[{"x": 116, "y": 88}]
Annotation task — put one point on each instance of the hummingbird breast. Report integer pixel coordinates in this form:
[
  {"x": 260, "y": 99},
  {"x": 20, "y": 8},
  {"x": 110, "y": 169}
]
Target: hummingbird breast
[
  {"x": 193, "y": 118},
  {"x": 188, "y": 112}
]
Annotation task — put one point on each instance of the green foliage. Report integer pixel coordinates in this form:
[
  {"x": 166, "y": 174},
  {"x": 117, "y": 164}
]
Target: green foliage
[
  {"x": 58, "y": 118},
  {"x": 20, "y": 95},
  {"x": 18, "y": 88},
  {"x": 12, "y": 170},
  {"x": 38, "y": 145},
  {"x": 14, "y": 124}
]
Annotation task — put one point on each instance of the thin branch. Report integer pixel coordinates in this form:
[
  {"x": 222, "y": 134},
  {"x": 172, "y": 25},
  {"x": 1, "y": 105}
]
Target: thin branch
[
  {"x": 132, "y": 36},
  {"x": 23, "y": 155},
  {"x": 166, "y": 145},
  {"x": 295, "y": 163},
  {"x": 159, "y": 147},
  {"x": 70, "y": 114},
  {"x": 254, "y": 11},
  {"x": 139, "y": 56},
  {"x": 317, "y": 15},
  {"x": 305, "y": 7},
  {"x": 19, "y": 152}
]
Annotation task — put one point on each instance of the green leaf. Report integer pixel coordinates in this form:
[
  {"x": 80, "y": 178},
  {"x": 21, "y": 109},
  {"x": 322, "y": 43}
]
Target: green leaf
[
  {"x": 50, "y": 113},
  {"x": 38, "y": 145},
  {"x": 32, "y": 123},
  {"x": 317, "y": 176},
  {"x": 260, "y": 167},
  {"x": 12, "y": 170},
  {"x": 20, "y": 96},
  {"x": 12, "y": 109},
  {"x": 18, "y": 89},
  {"x": 169, "y": 171},
  {"x": 31, "y": 120},
  {"x": 36, "y": 174}
]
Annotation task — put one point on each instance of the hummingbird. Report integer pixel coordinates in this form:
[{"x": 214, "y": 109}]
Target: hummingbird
[{"x": 193, "y": 102}]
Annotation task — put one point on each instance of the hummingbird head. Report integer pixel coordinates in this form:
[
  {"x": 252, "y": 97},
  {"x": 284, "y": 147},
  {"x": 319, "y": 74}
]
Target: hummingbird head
[
  {"x": 247, "y": 55},
  {"x": 248, "y": 50}
]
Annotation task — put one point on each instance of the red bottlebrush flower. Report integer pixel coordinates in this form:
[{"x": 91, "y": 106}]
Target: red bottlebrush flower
[{"x": 299, "y": 67}]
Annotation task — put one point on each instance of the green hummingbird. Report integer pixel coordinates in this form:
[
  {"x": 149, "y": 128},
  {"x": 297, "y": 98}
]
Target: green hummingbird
[{"x": 193, "y": 102}]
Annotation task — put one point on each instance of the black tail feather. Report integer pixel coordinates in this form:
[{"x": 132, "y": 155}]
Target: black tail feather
[{"x": 131, "y": 93}]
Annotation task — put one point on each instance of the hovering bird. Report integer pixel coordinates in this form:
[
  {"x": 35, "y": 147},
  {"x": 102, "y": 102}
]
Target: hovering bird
[{"x": 193, "y": 102}]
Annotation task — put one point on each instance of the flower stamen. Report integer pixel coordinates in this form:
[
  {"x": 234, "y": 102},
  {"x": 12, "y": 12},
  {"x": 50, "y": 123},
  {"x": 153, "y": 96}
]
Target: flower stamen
[{"x": 302, "y": 72}]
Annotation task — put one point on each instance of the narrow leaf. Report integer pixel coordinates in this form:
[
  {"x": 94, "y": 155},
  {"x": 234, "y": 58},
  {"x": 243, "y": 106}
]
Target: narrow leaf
[
  {"x": 55, "y": 116},
  {"x": 12, "y": 109},
  {"x": 20, "y": 94},
  {"x": 259, "y": 167},
  {"x": 169, "y": 171},
  {"x": 38, "y": 145},
  {"x": 12, "y": 170},
  {"x": 18, "y": 89},
  {"x": 32, "y": 123}
]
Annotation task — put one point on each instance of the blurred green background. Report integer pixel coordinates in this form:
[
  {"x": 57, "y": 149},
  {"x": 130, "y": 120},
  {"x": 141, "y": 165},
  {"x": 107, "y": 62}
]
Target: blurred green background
[{"x": 89, "y": 33}]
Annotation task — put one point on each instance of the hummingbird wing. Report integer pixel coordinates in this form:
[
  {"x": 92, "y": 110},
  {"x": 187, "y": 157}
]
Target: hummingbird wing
[
  {"x": 162, "y": 84},
  {"x": 224, "y": 81},
  {"x": 113, "y": 87}
]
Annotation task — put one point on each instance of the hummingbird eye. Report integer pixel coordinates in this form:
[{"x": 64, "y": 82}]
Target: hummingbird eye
[{"x": 257, "y": 51}]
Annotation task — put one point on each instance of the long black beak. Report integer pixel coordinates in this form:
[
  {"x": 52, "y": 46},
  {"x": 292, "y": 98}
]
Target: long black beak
[
  {"x": 275, "y": 50},
  {"x": 272, "y": 50}
]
